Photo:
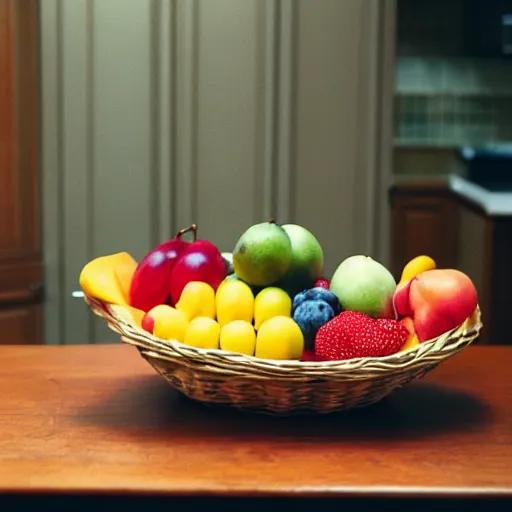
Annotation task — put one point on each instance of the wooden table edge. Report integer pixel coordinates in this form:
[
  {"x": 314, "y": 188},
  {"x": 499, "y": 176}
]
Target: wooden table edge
[{"x": 366, "y": 492}]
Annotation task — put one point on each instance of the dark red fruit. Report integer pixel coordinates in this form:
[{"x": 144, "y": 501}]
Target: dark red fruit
[
  {"x": 150, "y": 283},
  {"x": 322, "y": 283},
  {"x": 148, "y": 323},
  {"x": 201, "y": 261},
  {"x": 309, "y": 355}
]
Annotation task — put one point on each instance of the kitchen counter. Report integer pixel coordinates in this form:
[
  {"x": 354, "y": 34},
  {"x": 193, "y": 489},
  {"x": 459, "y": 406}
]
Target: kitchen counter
[
  {"x": 98, "y": 421},
  {"x": 492, "y": 203}
]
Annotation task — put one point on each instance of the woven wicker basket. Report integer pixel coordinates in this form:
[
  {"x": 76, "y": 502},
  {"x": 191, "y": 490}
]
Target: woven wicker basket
[{"x": 284, "y": 387}]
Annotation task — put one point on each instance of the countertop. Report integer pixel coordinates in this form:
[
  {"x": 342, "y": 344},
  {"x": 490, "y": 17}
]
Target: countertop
[
  {"x": 98, "y": 419},
  {"x": 494, "y": 204}
]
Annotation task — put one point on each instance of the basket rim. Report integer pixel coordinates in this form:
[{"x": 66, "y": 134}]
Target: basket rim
[{"x": 120, "y": 320}]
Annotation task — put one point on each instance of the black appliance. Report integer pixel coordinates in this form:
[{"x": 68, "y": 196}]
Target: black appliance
[
  {"x": 489, "y": 167},
  {"x": 490, "y": 27}
]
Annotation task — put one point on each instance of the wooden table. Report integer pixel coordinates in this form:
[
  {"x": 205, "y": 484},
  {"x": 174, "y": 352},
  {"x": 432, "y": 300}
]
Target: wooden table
[{"x": 98, "y": 421}]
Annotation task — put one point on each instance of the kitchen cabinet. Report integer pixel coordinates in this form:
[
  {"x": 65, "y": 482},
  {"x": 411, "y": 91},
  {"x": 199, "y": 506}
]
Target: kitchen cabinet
[
  {"x": 485, "y": 253},
  {"x": 21, "y": 268},
  {"x": 21, "y": 324},
  {"x": 438, "y": 220},
  {"x": 424, "y": 221}
]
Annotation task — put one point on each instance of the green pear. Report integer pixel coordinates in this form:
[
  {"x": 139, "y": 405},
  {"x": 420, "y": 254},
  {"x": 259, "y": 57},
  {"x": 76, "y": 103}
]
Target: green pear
[{"x": 263, "y": 254}]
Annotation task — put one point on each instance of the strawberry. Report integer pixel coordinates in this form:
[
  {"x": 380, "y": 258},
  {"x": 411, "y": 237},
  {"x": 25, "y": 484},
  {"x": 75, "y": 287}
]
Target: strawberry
[{"x": 352, "y": 334}]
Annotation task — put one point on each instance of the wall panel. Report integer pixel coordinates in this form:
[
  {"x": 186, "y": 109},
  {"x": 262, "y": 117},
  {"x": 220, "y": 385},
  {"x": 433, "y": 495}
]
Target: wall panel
[
  {"x": 160, "y": 113},
  {"x": 223, "y": 170}
]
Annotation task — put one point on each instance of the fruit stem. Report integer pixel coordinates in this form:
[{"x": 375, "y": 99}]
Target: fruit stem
[
  {"x": 192, "y": 228},
  {"x": 273, "y": 220}
]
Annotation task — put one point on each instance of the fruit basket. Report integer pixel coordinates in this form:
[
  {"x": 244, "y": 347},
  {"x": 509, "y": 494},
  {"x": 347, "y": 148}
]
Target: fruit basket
[{"x": 276, "y": 384}]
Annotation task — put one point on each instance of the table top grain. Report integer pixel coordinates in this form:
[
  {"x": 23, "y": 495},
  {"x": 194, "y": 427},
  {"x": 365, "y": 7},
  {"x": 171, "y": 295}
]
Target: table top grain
[{"x": 99, "y": 419}]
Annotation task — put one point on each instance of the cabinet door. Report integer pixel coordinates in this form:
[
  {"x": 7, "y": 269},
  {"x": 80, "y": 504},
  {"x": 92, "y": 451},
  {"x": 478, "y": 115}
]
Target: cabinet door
[
  {"x": 21, "y": 325},
  {"x": 424, "y": 223},
  {"x": 20, "y": 254}
]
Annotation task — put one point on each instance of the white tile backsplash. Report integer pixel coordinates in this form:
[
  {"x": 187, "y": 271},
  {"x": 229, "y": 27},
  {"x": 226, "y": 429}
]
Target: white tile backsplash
[
  {"x": 451, "y": 101},
  {"x": 462, "y": 76}
]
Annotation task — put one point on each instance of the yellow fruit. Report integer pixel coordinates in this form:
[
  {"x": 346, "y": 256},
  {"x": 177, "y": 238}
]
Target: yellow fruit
[
  {"x": 279, "y": 338},
  {"x": 197, "y": 299},
  {"x": 412, "y": 340},
  {"x": 473, "y": 318},
  {"x": 203, "y": 332},
  {"x": 166, "y": 323},
  {"x": 226, "y": 280},
  {"x": 108, "y": 278},
  {"x": 417, "y": 266},
  {"x": 271, "y": 302},
  {"x": 234, "y": 301},
  {"x": 238, "y": 336}
]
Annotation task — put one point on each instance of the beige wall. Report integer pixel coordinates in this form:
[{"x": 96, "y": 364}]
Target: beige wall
[{"x": 162, "y": 113}]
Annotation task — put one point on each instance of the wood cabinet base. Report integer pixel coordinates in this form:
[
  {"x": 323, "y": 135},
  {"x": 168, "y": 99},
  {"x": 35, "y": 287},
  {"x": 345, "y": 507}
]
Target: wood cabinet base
[
  {"x": 21, "y": 324},
  {"x": 425, "y": 221},
  {"x": 21, "y": 266}
]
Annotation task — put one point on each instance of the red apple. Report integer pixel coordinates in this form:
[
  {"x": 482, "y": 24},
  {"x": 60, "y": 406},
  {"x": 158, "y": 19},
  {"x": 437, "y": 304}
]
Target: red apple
[
  {"x": 437, "y": 301},
  {"x": 201, "y": 261},
  {"x": 150, "y": 283},
  {"x": 401, "y": 304}
]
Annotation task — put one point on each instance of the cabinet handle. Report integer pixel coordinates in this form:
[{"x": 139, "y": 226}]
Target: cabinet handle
[
  {"x": 78, "y": 294},
  {"x": 35, "y": 287}
]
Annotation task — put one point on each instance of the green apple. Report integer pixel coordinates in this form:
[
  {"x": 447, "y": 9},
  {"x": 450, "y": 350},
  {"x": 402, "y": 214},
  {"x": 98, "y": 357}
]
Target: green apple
[
  {"x": 365, "y": 285},
  {"x": 262, "y": 254},
  {"x": 307, "y": 263}
]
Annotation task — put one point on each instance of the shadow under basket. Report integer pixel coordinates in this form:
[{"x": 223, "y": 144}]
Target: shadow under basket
[{"x": 218, "y": 377}]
